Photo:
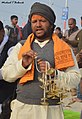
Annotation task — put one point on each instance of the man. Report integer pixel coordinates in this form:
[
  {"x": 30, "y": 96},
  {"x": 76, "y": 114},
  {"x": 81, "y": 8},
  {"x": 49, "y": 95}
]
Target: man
[
  {"x": 73, "y": 35},
  {"x": 13, "y": 31},
  {"x": 58, "y": 32},
  {"x": 6, "y": 89},
  {"x": 42, "y": 49}
]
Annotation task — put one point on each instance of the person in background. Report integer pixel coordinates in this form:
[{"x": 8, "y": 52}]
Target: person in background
[
  {"x": 6, "y": 89},
  {"x": 42, "y": 48},
  {"x": 58, "y": 32},
  {"x": 13, "y": 31},
  {"x": 73, "y": 35}
]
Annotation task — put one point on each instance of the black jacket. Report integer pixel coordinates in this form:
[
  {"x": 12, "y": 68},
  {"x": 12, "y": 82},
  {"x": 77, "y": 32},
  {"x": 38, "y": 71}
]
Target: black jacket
[{"x": 6, "y": 89}]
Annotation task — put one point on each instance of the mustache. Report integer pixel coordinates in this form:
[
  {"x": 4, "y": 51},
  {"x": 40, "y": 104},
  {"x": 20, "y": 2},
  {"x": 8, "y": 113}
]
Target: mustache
[{"x": 39, "y": 28}]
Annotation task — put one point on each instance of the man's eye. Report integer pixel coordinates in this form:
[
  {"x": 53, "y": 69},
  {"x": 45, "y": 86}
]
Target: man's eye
[
  {"x": 43, "y": 20},
  {"x": 34, "y": 21}
]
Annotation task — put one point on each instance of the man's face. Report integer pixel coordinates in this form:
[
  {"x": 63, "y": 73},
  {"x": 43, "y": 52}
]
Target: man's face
[
  {"x": 2, "y": 32},
  {"x": 40, "y": 27},
  {"x": 14, "y": 21},
  {"x": 57, "y": 31},
  {"x": 71, "y": 24}
]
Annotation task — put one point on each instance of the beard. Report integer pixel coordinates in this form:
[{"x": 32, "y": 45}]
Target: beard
[{"x": 47, "y": 34}]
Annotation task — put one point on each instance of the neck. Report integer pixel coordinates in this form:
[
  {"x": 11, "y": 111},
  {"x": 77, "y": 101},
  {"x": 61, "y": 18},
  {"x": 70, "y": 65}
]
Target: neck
[
  {"x": 44, "y": 39},
  {"x": 14, "y": 25}
]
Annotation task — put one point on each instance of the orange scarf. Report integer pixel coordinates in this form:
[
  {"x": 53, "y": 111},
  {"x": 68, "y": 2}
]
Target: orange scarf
[{"x": 62, "y": 56}]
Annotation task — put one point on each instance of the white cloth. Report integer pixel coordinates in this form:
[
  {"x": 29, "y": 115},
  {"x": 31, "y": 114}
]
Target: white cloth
[
  {"x": 9, "y": 51},
  {"x": 5, "y": 39},
  {"x": 3, "y": 43},
  {"x": 41, "y": 44},
  {"x": 25, "y": 111}
]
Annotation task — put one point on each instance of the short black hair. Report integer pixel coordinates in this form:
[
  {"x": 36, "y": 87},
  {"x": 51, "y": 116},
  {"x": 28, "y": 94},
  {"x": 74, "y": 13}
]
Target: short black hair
[
  {"x": 74, "y": 20},
  {"x": 14, "y": 16},
  {"x": 58, "y": 28},
  {"x": 1, "y": 25}
]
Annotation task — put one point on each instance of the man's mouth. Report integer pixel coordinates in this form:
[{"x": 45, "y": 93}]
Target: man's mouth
[{"x": 39, "y": 30}]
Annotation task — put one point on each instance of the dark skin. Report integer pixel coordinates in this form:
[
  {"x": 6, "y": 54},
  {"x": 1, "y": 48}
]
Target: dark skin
[
  {"x": 28, "y": 58},
  {"x": 41, "y": 28},
  {"x": 14, "y": 21}
]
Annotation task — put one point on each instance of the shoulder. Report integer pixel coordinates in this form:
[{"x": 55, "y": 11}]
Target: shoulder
[
  {"x": 80, "y": 32},
  {"x": 79, "y": 35},
  {"x": 14, "y": 49},
  {"x": 22, "y": 42},
  {"x": 10, "y": 43},
  {"x": 7, "y": 27}
]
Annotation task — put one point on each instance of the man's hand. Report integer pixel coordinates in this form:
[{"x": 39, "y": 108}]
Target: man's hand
[
  {"x": 65, "y": 39},
  {"x": 44, "y": 66},
  {"x": 27, "y": 58}
]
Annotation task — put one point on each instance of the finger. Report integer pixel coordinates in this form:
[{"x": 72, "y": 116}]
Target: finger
[
  {"x": 40, "y": 61},
  {"x": 30, "y": 53},
  {"x": 42, "y": 69}
]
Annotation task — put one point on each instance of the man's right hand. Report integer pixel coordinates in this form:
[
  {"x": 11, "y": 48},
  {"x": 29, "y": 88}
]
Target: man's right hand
[
  {"x": 65, "y": 39},
  {"x": 27, "y": 58}
]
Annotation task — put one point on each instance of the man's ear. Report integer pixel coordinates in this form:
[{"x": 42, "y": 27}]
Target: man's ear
[{"x": 53, "y": 26}]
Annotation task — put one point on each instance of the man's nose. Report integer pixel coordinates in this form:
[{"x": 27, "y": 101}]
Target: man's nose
[{"x": 38, "y": 23}]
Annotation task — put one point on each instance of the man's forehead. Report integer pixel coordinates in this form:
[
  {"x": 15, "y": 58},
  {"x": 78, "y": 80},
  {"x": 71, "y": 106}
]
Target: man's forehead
[
  {"x": 36, "y": 16},
  {"x": 14, "y": 19}
]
